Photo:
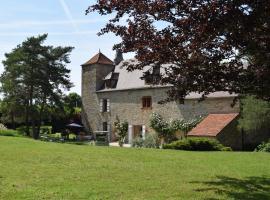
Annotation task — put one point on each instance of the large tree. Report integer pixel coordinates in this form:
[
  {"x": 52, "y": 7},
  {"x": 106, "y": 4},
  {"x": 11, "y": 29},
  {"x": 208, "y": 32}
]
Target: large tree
[
  {"x": 209, "y": 45},
  {"x": 36, "y": 75}
]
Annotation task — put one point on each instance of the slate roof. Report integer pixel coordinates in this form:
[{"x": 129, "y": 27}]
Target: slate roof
[
  {"x": 212, "y": 125},
  {"x": 132, "y": 81},
  {"x": 99, "y": 58}
]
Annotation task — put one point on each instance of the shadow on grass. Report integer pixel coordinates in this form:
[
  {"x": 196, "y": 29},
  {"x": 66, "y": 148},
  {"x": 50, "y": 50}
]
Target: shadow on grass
[{"x": 250, "y": 188}]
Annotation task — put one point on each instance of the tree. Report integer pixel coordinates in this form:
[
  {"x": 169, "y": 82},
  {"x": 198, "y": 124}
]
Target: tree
[
  {"x": 68, "y": 110},
  {"x": 255, "y": 115},
  {"x": 72, "y": 101},
  {"x": 36, "y": 75},
  {"x": 209, "y": 45}
]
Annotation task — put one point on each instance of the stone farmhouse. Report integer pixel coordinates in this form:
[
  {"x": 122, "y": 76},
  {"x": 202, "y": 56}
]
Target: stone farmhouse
[{"x": 109, "y": 92}]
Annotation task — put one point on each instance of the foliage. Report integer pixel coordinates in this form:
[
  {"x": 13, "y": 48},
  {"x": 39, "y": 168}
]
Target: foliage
[
  {"x": 33, "y": 80},
  {"x": 161, "y": 126},
  {"x": 121, "y": 131},
  {"x": 9, "y": 132},
  {"x": 72, "y": 103},
  {"x": 264, "y": 147},
  {"x": 255, "y": 114},
  {"x": 210, "y": 45},
  {"x": 238, "y": 175},
  {"x": 196, "y": 144},
  {"x": 46, "y": 130},
  {"x": 167, "y": 129},
  {"x": 151, "y": 141},
  {"x": 137, "y": 142},
  {"x": 186, "y": 125}
]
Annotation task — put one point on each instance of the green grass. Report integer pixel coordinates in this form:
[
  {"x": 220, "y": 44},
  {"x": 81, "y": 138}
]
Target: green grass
[{"x": 36, "y": 170}]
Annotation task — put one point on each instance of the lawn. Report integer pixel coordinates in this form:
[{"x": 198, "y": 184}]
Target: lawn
[{"x": 38, "y": 170}]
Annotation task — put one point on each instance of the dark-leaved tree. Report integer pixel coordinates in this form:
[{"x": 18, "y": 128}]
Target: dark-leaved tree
[{"x": 209, "y": 45}]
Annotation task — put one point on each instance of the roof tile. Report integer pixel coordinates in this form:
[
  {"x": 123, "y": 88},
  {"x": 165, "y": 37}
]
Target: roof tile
[
  {"x": 99, "y": 58},
  {"x": 212, "y": 125}
]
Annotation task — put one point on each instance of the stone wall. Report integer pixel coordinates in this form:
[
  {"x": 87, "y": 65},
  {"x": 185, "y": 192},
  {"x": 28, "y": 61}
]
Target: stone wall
[
  {"x": 91, "y": 81},
  {"x": 127, "y": 105},
  {"x": 230, "y": 136}
]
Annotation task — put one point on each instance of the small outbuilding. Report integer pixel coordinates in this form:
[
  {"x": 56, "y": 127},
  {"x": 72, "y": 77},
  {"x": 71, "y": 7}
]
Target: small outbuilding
[{"x": 222, "y": 127}]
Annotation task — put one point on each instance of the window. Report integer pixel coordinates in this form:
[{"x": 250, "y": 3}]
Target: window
[
  {"x": 104, "y": 105},
  {"x": 146, "y": 102},
  {"x": 105, "y": 126}
]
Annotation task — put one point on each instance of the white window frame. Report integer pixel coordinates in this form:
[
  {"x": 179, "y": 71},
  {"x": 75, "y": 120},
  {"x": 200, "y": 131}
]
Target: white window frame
[{"x": 101, "y": 105}]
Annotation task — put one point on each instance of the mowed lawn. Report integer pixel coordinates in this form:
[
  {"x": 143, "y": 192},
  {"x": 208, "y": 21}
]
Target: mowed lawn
[{"x": 37, "y": 170}]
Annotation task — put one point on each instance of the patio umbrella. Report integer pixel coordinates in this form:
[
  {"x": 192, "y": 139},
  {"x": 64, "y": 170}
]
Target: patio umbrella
[{"x": 74, "y": 125}]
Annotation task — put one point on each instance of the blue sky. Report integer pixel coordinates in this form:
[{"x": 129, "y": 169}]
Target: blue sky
[{"x": 65, "y": 22}]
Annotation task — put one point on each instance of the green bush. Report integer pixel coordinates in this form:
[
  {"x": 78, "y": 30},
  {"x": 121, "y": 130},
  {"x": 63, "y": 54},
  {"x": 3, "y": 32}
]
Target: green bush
[
  {"x": 264, "y": 147},
  {"x": 9, "y": 132},
  {"x": 22, "y": 130},
  {"x": 137, "y": 142},
  {"x": 45, "y": 130},
  {"x": 197, "y": 144},
  {"x": 150, "y": 141}
]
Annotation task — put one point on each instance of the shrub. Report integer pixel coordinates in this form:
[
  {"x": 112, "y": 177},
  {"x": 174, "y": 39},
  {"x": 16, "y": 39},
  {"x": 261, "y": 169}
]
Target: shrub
[
  {"x": 150, "y": 141},
  {"x": 167, "y": 129},
  {"x": 137, "y": 142},
  {"x": 121, "y": 131},
  {"x": 9, "y": 132},
  {"x": 197, "y": 144},
  {"x": 264, "y": 147},
  {"x": 45, "y": 130}
]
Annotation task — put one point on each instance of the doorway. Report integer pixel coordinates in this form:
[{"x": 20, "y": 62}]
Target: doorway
[{"x": 137, "y": 131}]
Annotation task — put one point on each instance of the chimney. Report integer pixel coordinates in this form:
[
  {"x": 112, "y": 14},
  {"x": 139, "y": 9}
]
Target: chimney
[{"x": 118, "y": 57}]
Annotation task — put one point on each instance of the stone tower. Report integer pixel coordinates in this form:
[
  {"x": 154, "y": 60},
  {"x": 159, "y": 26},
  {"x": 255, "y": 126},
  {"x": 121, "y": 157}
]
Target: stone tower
[{"x": 93, "y": 72}]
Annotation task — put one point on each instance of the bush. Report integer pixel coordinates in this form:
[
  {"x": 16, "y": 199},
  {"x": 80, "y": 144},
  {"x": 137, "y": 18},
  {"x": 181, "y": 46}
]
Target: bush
[
  {"x": 197, "y": 144},
  {"x": 45, "y": 130},
  {"x": 264, "y": 147},
  {"x": 150, "y": 141},
  {"x": 22, "y": 130},
  {"x": 137, "y": 142},
  {"x": 9, "y": 132}
]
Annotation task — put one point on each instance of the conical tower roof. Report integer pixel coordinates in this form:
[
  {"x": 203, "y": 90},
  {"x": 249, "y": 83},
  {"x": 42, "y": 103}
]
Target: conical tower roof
[{"x": 99, "y": 58}]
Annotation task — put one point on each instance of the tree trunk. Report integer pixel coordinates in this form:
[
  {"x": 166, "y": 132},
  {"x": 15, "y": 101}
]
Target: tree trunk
[
  {"x": 40, "y": 115},
  {"x": 27, "y": 118},
  {"x": 12, "y": 120}
]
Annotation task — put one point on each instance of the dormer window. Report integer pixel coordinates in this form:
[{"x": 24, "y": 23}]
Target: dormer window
[
  {"x": 152, "y": 76},
  {"x": 111, "y": 80}
]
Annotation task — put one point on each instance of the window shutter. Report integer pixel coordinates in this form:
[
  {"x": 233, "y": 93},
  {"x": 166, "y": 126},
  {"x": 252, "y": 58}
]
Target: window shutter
[
  {"x": 143, "y": 131},
  {"x": 130, "y": 133},
  {"x": 108, "y": 105},
  {"x": 101, "y": 105}
]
